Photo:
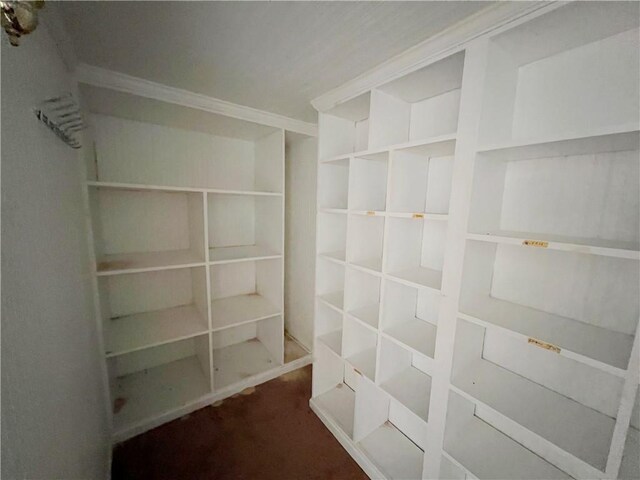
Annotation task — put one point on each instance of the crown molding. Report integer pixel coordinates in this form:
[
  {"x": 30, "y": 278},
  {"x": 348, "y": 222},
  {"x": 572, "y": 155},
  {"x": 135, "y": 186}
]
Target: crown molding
[
  {"x": 491, "y": 20},
  {"x": 101, "y": 77}
]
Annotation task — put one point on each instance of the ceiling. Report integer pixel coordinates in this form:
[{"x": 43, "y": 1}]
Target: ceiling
[{"x": 274, "y": 56}]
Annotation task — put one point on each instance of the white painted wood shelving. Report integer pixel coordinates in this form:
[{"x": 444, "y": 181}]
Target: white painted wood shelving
[
  {"x": 478, "y": 257},
  {"x": 188, "y": 235}
]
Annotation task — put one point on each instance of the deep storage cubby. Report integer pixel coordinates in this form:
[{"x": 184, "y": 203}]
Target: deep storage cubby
[
  {"x": 362, "y": 296},
  {"x": 243, "y": 156},
  {"x": 581, "y": 84},
  {"x": 136, "y": 229},
  {"x": 368, "y": 182},
  {"x": 418, "y": 106},
  {"x": 246, "y": 350},
  {"x": 330, "y": 283},
  {"x": 333, "y": 185},
  {"x": 415, "y": 251},
  {"x": 630, "y": 467},
  {"x": 420, "y": 179},
  {"x": 586, "y": 304},
  {"x": 359, "y": 347},
  {"x": 365, "y": 242},
  {"x": 147, "y": 383},
  {"x": 331, "y": 236},
  {"x": 244, "y": 227},
  {"x": 328, "y": 327},
  {"x": 410, "y": 316},
  {"x": 347, "y": 126},
  {"x": 567, "y": 401},
  {"x": 245, "y": 292},
  {"x": 403, "y": 375},
  {"x": 388, "y": 433},
  {"x": 550, "y": 192},
  {"x": 141, "y": 310}
]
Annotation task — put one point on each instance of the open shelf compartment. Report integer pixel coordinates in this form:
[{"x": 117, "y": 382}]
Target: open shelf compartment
[
  {"x": 247, "y": 350},
  {"x": 330, "y": 283},
  {"x": 332, "y": 236},
  {"x": 345, "y": 128},
  {"x": 151, "y": 382},
  {"x": 359, "y": 347},
  {"x": 333, "y": 185},
  {"x": 368, "y": 182},
  {"x": 142, "y": 310},
  {"x": 418, "y": 106},
  {"x": 146, "y": 229},
  {"x": 415, "y": 251},
  {"x": 328, "y": 328},
  {"x": 364, "y": 245},
  {"x": 362, "y": 297},
  {"x": 630, "y": 466},
  {"x": 245, "y": 292}
]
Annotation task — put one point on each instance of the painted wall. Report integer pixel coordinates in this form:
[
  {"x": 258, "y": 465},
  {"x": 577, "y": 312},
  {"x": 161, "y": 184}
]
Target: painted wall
[
  {"x": 300, "y": 237},
  {"x": 53, "y": 408}
]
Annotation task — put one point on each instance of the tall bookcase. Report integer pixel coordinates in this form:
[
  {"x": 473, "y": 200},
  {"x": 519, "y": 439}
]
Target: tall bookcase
[
  {"x": 188, "y": 233},
  {"x": 478, "y": 257}
]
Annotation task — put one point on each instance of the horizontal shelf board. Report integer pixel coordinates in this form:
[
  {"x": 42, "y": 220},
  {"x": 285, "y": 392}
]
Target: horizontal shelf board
[
  {"x": 365, "y": 362},
  {"x": 148, "y": 329},
  {"x": 593, "y": 246},
  {"x": 337, "y": 256},
  {"x": 425, "y": 215},
  {"x": 165, "y": 188},
  {"x": 240, "y": 361},
  {"x": 613, "y": 139},
  {"x": 339, "y": 404},
  {"x": 489, "y": 454},
  {"x": 231, "y": 311},
  {"x": 419, "y": 277},
  {"x": 570, "y": 426},
  {"x": 338, "y": 159},
  {"x": 368, "y": 213},
  {"x": 374, "y": 264},
  {"x": 339, "y": 211},
  {"x": 412, "y": 388},
  {"x": 147, "y": 261},
  {"x": 588, "y": 343},
  {"x": 396, "y": 455},
  {"x": 333, "y": 340},
  {"x": 416, "y": 334},
  {"x": 240, "y": 254},
  {"x": 334, "y": 299},
  {"x": 368, "y": 314},
  {"x": 156, "y": 390}
]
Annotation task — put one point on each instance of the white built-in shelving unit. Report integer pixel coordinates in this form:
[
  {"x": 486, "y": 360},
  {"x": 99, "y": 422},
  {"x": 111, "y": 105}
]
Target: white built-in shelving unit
[
  {"x": 479, "y": 257},
  {"x": 188, "y": 236}
]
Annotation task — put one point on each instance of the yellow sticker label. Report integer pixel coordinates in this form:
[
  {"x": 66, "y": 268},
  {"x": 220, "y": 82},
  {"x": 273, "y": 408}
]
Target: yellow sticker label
[
  {"x": 535, "y": 243},
  {"x": 418, "y": 215},
  {"x": 545, "y": 345},
  {"x": 357, "y": 371},
  {"x": 371, "y": 213}
]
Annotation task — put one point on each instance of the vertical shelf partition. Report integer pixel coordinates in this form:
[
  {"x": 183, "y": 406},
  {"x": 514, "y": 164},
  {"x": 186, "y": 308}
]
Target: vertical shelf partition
[{"x": 487, "y": 305}]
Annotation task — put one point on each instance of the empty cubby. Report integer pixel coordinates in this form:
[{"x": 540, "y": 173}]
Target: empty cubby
[
  {"x": 364, "y": 245},
  {"x": 362, "y": 296},
  {"x": 137, "y": 229},
  {"x": 328, "y": 327},
  {"x": 359, "y": 347},
  {"x": 330, "y": 283},
  {"x": 331, "y": 235},
  {"x": 347, "y": 127},
  {"x": 630, "y": 466},
  {"x": 368, "y": 182},
  {"x": 417, "y": 106},
  {"x": 333, "y": 185}
]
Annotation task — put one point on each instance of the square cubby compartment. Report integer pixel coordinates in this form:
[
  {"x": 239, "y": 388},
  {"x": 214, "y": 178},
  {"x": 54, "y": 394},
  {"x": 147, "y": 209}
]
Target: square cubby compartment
[
  {"x": 345, "y": 128},
  {"x": 245, "y": 292},
  {"x": 333, "y": 184},
  {"x": 328, "y": 327},
  {"x": 247, "y": 350},
  {"x": 420, "y": 179},
  {"x": 410, "y": 316},
  {"x": 359, "y": 347},
  {"x": 362, "y": 296},
  {"x": 332, "y": 235},
  {"x": 244, "y": 227},
  {"x": 368, "y": 182},
  {"x": 415, "y": 251},
  {"x": 364, "y": 245},
  {"x": 145, "y": 229},
  {"x": 141, "y": 310},
  {"x": 330, "y": 283}
]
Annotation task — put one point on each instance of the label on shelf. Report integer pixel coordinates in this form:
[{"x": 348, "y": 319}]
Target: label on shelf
[
  {"x": 535, "y": 243},
  {"x": 418, "y": 215},
  {"x": 371, "y": 213},
  {"x": 545, "y": 345}
]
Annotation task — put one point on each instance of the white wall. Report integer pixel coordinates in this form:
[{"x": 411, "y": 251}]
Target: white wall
[
  {"x": 300, "y": 237},
  {"x": 53, "y": 412}
]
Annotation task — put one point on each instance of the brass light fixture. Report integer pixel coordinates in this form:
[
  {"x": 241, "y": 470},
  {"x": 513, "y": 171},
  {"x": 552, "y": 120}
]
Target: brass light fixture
[{"x": 19, "y": 18}]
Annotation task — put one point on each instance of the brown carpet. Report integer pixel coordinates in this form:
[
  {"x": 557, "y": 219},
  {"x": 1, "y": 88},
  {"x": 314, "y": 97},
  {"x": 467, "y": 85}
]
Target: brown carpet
[{"x": 264, "y": 433}]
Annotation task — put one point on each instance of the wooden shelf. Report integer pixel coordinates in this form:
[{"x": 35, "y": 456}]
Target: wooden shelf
[
  {"x": 415, "y": 334},
  {"x": 240, "y": 254},
  {"x": 396, "y": 455},
  {"x": 337, "y": 256},
  {"x": 373, "y": 264},
  {"x": 146, "y": 262},
  {"x": 339, "y": 404},
  {"x": 419, "y": 277},
  {"x": 333, "y": 340},
  {"x": 412, "y": 388},
  {"x": 592, "y": 246},
  {"x": 156, "y": 390},
  {"x": 588, "y": 343},
  {"x": 148, "y": 329},
  {"x": 334, "y": 299},
  {"x": 368, "y": 314},
  {"x": 365, "y": 362},
  {"x": 166, "y": 188},
  {"x": 237, "y": 362},
  {"x": 232, "y": 311}
]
